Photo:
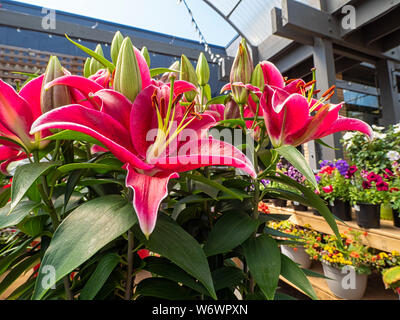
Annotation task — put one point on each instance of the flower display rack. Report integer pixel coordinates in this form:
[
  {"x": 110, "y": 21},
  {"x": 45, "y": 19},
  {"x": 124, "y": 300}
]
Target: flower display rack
[{"x": 387, "y": 238}]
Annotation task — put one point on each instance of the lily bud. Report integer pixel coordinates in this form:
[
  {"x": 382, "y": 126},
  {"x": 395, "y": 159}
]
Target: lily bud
[
  {"x": 166, "y": 77},
  {"x": 56, "y": 96},
  {"x": 231, "y": 110},
  {"x": 202, "y": 70},
  {"x": 188, "y": 74},
  {"x": 116, "y": 46},
  {"x": 86, "y": 68},
  {"x": 94, "y": 64},
  {"x": 257, "y": 80},
  {"x": 146, "y": 55},
  {"x": 241, "y": 71},
  {"x": 127, "y": 78}
]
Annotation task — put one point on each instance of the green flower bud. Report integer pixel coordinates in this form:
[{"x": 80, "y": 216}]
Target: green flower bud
[
  {"x": 188, "y": 74},
  {"x": 94, "y": 64},
  {"x": 241, "y": 71},
  {"x": 127, "y": 79},
  {"x": 257, "y": 80},
  {"x": 86, "y": 68},
  {"x": 146, "y": 55},
  {"x": 56, "y": 96},
  {"x": 116, "y": 46},
  {"x": 202, "y": 70}
]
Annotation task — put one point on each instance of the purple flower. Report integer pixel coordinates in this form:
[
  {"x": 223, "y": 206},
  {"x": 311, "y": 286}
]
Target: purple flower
[
  {"x": 342, "y": 166},
  {"x": 318, "y": 178},
  {"x": 326, "y": 163}
]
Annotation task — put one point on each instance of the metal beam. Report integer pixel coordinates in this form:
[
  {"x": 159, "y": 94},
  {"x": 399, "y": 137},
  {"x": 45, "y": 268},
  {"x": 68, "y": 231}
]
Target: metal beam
[
  {"x": 382, "y": 27},
  {"x": 294, "y": 58},
  {"x": 299, "y": 20},
  {"x": 370, "y": 10},
  {"x": 389, "y": 93},
  {"x": 356, "y": 87},
  {"x": 76, "y": 31},
  {"x": 326, "y": 77},
  {"x": 343, "y": 64},
  {"x": 334, "y": 6}
]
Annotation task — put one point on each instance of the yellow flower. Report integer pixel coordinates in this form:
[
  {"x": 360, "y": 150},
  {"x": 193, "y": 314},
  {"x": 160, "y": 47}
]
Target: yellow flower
[{"x": 395, "y": 253}]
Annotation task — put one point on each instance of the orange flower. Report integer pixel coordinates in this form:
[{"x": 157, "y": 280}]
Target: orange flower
[{"x": 354, "y": 254}]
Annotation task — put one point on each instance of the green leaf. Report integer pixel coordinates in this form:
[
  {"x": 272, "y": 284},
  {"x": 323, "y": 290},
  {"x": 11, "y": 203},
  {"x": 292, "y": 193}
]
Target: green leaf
[
  {"x": 24, "y": 177},
  {"x": 174, "y": 243},
  {"x": 85, "y": 165},
  {"x": 277, "y": 233},
  {"x": 161, "y": 288},
  {"x": 93, "y": 54},
  {"x": 214, "y": 184},
  {"x": 166, "y": 269},
  {"x": 312, "y": 200},
  {"x": 294, "y": 274},
  {"x": 96, "y": 281},
  {"x": 4, "y": 197},
  {"x": 324, "y": 144},
  {"x": 230, "y": 231},
  {"x": 217, "y": 100},
  {"x": 18, "y": 214},
  {"x": 84, "y": 232},
  {"x": 20, "y": 268},
  {"x": 156, "y": 71},
  {"x": 73, "y": 179},
  {"x": 263, "y": 259},
  {"x": 296, "y": 158},
  {"x": 227, "y": 277},
  {"x": 234, "y": 122},
  {"x": 73, "y": 135}
]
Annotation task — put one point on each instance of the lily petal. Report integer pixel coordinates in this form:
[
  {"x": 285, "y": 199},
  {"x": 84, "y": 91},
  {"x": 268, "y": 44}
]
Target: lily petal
[
  {"x": 205, "y": 152},
  {"x": 149, "y": 191},
  {"x": 84, "y": 85},
  {"x": 97, "y": 124},
  {"x": 15, "y": 113},
  {"x": 272, "y": 76},
  {"x": 116, "y": 105},
  {"x": 31, "y": 93}
]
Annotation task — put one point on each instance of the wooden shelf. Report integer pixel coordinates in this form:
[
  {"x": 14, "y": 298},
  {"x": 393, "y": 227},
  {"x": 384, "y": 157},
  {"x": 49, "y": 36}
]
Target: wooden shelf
[
  {"x": 387, "y": 238},
  {"x": 375, "y": 287}
]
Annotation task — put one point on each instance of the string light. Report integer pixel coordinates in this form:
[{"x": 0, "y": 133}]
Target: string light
[{"x": 214, "y": 57}]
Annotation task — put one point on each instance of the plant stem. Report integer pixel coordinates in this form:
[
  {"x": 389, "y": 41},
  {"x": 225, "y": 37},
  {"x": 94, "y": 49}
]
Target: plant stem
[{"x": 129, "y": 277}]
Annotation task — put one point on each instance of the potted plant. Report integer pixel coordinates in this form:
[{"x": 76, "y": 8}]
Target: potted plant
[
  {"x": 334, "y": 180},
  {"x": 296, "y": 252},
  {"x": 346, "y": 269},
  {"x": 368, "y": 192},
  {"x": 391, "y": 279}
]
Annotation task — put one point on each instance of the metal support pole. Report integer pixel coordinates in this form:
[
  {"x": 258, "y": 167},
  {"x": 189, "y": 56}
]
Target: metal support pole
[
  {"x": 389, "y": 93},
  {"x": 324, "y": 63}
]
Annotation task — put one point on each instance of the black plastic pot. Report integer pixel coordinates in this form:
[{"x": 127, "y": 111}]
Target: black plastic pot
[
  {"x": 279, "y": 203},
  {"x": 342, "y": 210},
  {"x": 396, "y": 218},
  {"x": 369, "y": 216},
  {"x": 299, "y": 207}
]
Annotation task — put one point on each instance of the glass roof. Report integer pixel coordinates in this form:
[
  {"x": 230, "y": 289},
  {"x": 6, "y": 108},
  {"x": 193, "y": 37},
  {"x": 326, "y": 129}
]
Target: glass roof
[{"x": 250, "y": 18}]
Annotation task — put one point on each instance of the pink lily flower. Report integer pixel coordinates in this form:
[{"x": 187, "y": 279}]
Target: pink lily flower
[
  {"x": 288, "y": 111},
  {"x": 155, "y": 137},
  {"x": 17, "y": 113}
]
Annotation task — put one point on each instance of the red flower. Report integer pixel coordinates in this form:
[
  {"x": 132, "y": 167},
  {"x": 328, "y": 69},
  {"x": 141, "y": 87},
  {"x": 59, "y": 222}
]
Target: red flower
[
  {"x": 328, "y": 189},
  {"x": 374, "y": 177},
  {"x": 394, "y": 189},
  {"x": 327, "y": 170},
  {"x": 143, "y": 253},
  {"x": 382, "y": 186},
  {"x": 366, "y": 185}
]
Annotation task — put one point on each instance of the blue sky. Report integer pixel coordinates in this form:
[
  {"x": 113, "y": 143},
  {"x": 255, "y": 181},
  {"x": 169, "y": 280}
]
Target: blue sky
[{"x": 165, "y": 16}]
